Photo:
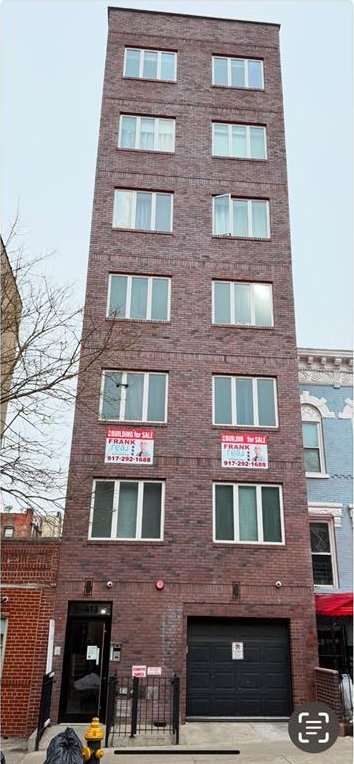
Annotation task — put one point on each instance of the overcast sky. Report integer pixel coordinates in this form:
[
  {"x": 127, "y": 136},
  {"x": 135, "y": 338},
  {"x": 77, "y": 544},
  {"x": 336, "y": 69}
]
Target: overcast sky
[{"x": 53, "y": 62}]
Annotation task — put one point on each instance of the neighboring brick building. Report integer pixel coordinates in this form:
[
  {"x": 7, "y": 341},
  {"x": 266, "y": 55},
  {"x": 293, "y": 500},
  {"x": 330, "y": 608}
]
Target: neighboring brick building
[
  {"x": 201, "y": 558},
  {"x": 326, "y": 384},
  {"x": 29, "y": 570},
  {"x": 11, "y": 308}
]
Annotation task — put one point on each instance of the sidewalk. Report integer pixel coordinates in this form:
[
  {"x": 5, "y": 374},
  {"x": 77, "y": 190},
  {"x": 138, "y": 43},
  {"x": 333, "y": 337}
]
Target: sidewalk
[{"x": 258, "y": 743}]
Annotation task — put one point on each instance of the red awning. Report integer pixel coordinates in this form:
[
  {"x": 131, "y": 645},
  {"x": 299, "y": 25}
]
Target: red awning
[{"x": 334, "y": 604}]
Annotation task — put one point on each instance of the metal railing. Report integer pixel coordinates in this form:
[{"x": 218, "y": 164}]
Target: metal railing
[
  {"x": 44, "y": 706},
  {"x": 142, "y": 706}
]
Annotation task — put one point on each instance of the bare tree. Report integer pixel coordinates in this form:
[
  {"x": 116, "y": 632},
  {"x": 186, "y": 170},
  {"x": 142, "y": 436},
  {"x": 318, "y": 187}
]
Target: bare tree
[{"x": 43, "y": 345}]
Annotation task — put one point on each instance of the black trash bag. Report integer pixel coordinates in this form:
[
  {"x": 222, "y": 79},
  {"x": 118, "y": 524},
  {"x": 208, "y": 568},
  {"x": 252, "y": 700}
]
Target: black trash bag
[
  {"x": 65, "y": 748},
  {"x": 2, "y": 758}
]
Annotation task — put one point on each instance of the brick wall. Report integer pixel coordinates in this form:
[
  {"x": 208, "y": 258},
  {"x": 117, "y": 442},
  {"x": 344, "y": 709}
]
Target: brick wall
[{"x": 29, "y": 570}]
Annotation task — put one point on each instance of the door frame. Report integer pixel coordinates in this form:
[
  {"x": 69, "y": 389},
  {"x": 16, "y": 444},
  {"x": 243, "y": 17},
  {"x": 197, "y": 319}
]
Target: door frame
[{"x": 90, "y": 613}]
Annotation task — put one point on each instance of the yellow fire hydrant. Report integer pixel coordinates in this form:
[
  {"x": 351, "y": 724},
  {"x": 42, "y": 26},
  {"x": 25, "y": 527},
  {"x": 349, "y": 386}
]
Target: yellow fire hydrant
[{"x": 93, "y": 738}]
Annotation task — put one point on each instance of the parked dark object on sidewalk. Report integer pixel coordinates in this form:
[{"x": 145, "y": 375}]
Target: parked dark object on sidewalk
[
  {"x": 65, "y": 748},
  {"x": 2, "y": 758}
]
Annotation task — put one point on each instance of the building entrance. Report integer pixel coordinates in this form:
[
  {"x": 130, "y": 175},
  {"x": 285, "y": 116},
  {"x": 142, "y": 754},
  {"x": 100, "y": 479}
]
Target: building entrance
[{"x": 85, "y": 667}]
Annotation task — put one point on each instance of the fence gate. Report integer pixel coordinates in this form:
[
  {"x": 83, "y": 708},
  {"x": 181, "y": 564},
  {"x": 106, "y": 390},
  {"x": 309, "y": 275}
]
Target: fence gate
[
  {"x": 142, "y": 706},
  {"x": 44, "y": 706}
]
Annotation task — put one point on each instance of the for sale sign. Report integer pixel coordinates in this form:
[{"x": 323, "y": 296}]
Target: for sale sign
[
  {"x": 244, "y": 450},
  {"x": 129, "y": 446}
]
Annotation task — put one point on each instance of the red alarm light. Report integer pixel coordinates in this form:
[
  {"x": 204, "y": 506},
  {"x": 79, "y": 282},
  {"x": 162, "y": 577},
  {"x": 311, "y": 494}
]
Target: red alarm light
[{"x": 160, "y": 584}]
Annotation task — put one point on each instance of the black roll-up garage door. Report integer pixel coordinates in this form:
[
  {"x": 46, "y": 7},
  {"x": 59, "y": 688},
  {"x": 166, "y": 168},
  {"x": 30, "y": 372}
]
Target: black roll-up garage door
[{"x": 222, "y": 683}]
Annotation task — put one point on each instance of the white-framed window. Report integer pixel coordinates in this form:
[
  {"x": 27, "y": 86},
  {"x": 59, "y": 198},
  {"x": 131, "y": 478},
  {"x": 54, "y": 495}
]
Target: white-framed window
[
  {"x": 246, "y": 513},
  {"x": 134, "y": 396},
  {"x": 239, "y": 141},
  {"x": 143, "y": 210},
  {"x": 312, "y": 438},
  {"x": 144, "y": 298},
  {"x": 242, "y": 304},
  {"x": 245, "y": 401},
  {"x": 238, "y": 72},
  {"x": 146, "y": 133},
  {"x": 246, "y": 218},
  {"x": 8, "y": 531},
  {"x": 127, "y": 510},
  {"x": 3, "y": 632},
  {"x": 323, "y": 553},
  {"x": 150, "y": 64}
]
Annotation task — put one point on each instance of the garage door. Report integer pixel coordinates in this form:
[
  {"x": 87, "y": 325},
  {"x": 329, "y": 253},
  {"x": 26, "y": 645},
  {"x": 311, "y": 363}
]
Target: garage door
[{"x": 255, "y": 685}]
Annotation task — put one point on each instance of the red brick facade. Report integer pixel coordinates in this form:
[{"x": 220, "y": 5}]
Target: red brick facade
[
  {"x": 198, "y": 574},
  {"x": 29, "y": 574}
]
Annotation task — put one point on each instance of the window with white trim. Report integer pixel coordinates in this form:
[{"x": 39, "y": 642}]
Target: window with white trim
[
  {"x": 239, "y": 141},
  {"x": 142, "y": 210},
  {"x": 245, "y": 513},
  {"x": 245, "y": 401},
  {"x": 146, "y": 133},
  {"x": 145, "y": 298},
  {"x": 150, "y": 64},
  {"x": 3, "y": 632},
  {"x": 322, "y": 551},
  {"x": 127, "y": 510},
  {"x": 312, "y": 438},
  {"x": 238, "y": 72},
  {"x": 242, "y": 304},
  {"x": 246, "y": 218},
  {"x": 8, "y": 531},
  {"x": 134, "y": 396}
]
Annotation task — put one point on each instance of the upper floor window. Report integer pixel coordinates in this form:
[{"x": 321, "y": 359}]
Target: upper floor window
[
  {"x": 248, "y": 513},
  {"x": 235, "y": 302},
  {"x": 127, "y": 509},
  {"x": 246, "y": 401},
  {"x": 238, "y": 72},
  {"x": 134, "y": 396},
  {"x": 240, "y": 141},
  {"x": 143, "y": 210},
  {"x": 8, "y": 532},
  {"x": 150, "y": 64},
  {"x": 146, "y": 133},
  {"x": 247, "y": 218},
  {"x": 322, "y": 550},
  {"x": 145, "y": 298},
  {"x": 312, "y": 441}
]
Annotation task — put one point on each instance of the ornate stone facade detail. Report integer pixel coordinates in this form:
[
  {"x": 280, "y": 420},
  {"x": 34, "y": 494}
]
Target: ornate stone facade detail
[
  {"x": 309, "y": 403},
  {"x": 326, "y": 367},
  {"x": 319, "y": 509},
  {"x": 347, "y": 412}
]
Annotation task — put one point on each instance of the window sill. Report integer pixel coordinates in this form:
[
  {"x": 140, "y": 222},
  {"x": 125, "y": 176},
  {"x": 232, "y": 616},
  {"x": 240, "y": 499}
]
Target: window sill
[
  {"x": 272, "y": 428},
  {"x": 317, "y": 475},
  {"x": 240, "y": 238},
  {"x": 147, "y": 79},
  {"x": 241, "y": 159},
  {"x": 143, "y": 230},
  {"x": 128, "y": 542},
  {"x": 244, "y": 326},
  {"x": 238, "y": 87},
  {"x": 250, "y": 543},
  {"x": 162, "y": 321},
  {"x": 123, "y": 423},
  {"x": 146, "y": 151}
]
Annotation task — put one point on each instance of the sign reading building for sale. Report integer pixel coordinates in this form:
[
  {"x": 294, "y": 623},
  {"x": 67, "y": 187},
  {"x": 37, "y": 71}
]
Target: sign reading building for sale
[
  {"x": 244, "y": 450},
  {"x": 129, "y": 446}
]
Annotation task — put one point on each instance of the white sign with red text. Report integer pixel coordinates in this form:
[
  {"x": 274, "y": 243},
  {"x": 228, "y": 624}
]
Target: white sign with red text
[
  {"x": 139, "y": 671},
  {"x": 244, "y": 450},
  {"x": 129, "y": 446}
]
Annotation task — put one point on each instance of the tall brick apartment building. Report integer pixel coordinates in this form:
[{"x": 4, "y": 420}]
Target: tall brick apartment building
[{"x": 186, "y": 539}]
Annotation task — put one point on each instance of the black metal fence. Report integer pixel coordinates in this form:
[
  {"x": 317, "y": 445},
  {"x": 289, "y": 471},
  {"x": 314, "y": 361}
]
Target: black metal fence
[
  {"x": 142, "y": 706},
  {"x": 44, "y": 706}
]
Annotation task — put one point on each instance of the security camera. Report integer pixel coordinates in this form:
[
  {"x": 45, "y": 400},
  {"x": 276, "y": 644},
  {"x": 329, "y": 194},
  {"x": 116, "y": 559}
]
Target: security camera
[
  {"x": 4, "y": 600},
  {"x": 109, "y": 584},
  {"x": 278, "y": 584}
]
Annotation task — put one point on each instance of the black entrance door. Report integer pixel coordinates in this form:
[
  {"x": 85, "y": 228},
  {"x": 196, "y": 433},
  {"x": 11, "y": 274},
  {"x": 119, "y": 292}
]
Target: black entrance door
[
  {"x": 238, "y": 668},
  {"x": 85, "y": 667}
]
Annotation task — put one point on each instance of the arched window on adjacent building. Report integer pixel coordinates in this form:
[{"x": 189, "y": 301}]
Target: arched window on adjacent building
[{"x": 312, "y": 435}]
